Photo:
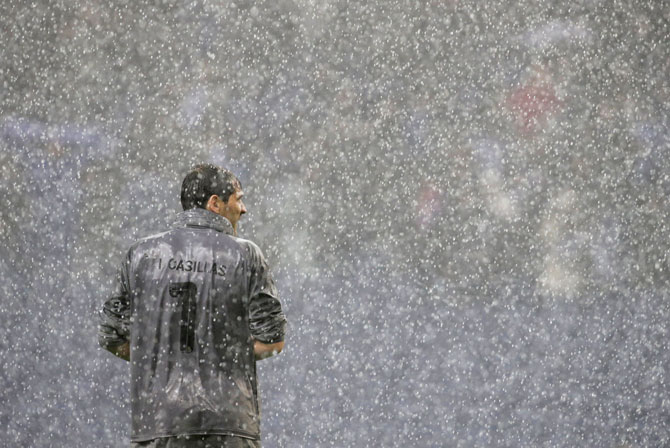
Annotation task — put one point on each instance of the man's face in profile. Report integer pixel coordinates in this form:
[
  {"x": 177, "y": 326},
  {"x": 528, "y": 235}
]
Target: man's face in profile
[{"x": 234, "y": 208}]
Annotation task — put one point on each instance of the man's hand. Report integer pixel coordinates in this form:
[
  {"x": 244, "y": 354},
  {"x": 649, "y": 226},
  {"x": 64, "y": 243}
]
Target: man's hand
[
  {"x": 122, "y": 351},
  {"x": 262, "y": 351}
]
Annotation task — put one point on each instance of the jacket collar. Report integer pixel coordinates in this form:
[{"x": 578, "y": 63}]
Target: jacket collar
[{"x": 199, "y": 217}]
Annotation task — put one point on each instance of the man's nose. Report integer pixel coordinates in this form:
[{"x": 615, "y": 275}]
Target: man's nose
[{"x": 243, "y": 210}]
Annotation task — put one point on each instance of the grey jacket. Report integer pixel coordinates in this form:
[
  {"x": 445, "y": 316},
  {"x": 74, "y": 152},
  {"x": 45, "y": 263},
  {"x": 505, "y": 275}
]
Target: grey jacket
[{"x": 191, "y": 301}]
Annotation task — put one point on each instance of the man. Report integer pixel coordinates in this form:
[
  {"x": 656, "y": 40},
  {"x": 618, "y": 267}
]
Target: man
[{"x": 193, "y": 310}]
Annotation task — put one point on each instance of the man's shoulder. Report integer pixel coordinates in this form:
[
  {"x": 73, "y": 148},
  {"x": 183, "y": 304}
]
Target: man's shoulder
[
  {"x": 149, "y": 240},
  {"x": 245, "y": 243},
  {"x": 252, "y": 249},
  {"x": 149, "y": 245}
]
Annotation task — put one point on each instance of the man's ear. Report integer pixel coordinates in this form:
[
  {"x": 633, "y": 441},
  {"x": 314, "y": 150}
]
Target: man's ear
[{"x": 213, "y": 204}]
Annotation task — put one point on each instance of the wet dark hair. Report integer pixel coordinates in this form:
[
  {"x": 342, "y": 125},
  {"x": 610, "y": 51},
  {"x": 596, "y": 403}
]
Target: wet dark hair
[{"x": 205, "y": 180}]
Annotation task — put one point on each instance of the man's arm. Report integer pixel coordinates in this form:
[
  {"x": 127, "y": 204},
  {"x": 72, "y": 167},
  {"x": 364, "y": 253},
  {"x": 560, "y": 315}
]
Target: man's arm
[
  {"x": 266, "y": 317},
  {"x": 262, "y": 351},
  {"x": 114, "y": 327}
]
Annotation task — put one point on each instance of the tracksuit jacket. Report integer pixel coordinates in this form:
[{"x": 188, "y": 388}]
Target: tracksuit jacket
[{"x": 191, "y": 301}]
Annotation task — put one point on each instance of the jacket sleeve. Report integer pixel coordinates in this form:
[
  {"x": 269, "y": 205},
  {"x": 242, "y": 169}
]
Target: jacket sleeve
[
  {"x": 114, "y": 318},
  {"x": 266, "y": 318}
]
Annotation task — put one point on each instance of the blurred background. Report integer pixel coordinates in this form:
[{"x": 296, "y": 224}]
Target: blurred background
[{"x": 464, "y": 204}]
